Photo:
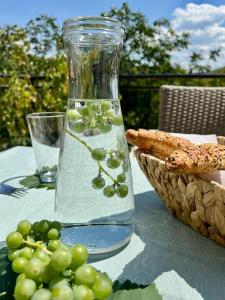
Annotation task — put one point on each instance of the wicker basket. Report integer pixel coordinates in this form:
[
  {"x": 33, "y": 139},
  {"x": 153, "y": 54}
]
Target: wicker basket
[{"x": 195, "y": 201}]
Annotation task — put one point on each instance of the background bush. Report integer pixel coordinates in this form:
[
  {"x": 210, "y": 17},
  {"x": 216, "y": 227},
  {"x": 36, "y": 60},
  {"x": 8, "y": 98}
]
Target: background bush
[{"x": 34, "y": 72}]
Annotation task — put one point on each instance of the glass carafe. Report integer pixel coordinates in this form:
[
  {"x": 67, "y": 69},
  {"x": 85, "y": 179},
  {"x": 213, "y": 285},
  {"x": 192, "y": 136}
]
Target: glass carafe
[{"x": 94, "y": 195}]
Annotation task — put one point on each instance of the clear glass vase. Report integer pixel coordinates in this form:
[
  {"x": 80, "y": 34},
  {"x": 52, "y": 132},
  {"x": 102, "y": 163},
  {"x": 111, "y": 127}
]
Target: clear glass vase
[{"x": 94, "y": 195}]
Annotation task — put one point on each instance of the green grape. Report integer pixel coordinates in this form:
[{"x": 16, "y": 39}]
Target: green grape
[
  {"x": 20, "y": 276},
  {"x": 43, "y": 226},
  {"x": 85, "y": 274},
  {"x": 34, "y": 269},
  {"x": 113, "y": 163},
  {"x": 14, "y": 240},
  {"x": 73, "y": 115},
  {"x": 56, "y": 225},
  {"x": 13, "y": 254},
  {"x": 62, "y": 293},
  {"x": 42, "y": 294},
  {"x": 43, "y": 256},
  {"x": 79, "y": 127},
  {"x": 24, "y": 289},
  {"x": 26, "y": 252},
  {"x": 117, "y": 120},
  {"x": 98, "y": 182},
  {"x": 102, "y": 288},
  {"x": 53, "y": 234},
  {"x": 38, "y": 236},
  {"x": 109, "y": 191},
  {"x": 109, "y": 115},
  {"x": 94, "y": 108},
  {"x": 79, "y": 255},
  {"x": 53, "y": 245},
  {"x": 84, "y": 111},
  {"x": 82, "y": 292},
  {"x": 24, "y": 227},
  {"x": 48, "y": 274},
  {"x": 120, "y": 154},
  {"x": 58, "y": 281},
  {"x": 98, "y": 154},
  {"x": 92, "y": 123},
  {"x": 122, "y": 191},
  {"x": 61, "y": 259},
  {"x": 19, "y": 264},
  {"x": 98, "y": 275},
  {"x": 105, "y": 128},
  {"x": 121, "y": 178},
  {"x": 34, "y": 227},
  {"x": 106, "y": 105}
]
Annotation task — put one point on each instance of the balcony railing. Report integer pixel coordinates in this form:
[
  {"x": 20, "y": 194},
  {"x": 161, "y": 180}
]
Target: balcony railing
[{"x": 140, "y": 93}]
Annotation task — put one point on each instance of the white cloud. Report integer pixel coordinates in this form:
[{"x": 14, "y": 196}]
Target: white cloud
[{"x": 206, "y": 25}]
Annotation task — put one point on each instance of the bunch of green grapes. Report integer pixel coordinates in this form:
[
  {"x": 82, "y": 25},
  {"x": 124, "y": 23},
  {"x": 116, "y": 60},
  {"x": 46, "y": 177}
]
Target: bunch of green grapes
[
  {"x": 48, "y": 269},
  {"x": 95, "y": 115},
  {"x": 113, "y": 160}
]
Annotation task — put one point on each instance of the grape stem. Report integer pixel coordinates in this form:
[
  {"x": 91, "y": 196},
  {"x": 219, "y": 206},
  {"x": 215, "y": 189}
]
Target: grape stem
[
  {"x": 100, "y": 167},
  {"x": 37, "y": 245}
]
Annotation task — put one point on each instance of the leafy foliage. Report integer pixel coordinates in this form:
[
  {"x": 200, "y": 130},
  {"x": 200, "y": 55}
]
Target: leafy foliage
[
  {"x": 34, "y": 70},
  {"x": 26, "y": 52},
  {"x": 148, "y": 293},
  {"x": 7, "y": 276},
  {"x": 147, "y": 48}
]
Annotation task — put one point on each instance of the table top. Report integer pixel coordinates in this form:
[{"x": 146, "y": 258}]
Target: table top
[{"x": 183, "y": 264}]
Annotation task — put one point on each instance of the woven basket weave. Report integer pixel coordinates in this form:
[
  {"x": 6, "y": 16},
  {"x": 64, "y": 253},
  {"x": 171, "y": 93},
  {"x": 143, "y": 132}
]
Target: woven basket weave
[{"x": 197, "y": 202}]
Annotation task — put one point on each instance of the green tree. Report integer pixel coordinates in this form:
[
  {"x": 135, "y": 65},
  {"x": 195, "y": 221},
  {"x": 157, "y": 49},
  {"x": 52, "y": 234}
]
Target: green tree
[
  {"x": 34, "y": 73},
  {"x": 147, "y": 47},
  {"x": 34, "y": 70}
]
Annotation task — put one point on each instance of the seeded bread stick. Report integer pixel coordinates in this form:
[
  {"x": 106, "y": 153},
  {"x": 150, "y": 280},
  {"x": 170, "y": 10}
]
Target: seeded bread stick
[
  {"x": 156, "y": 143},
  {"x": 205, "y": 158}
]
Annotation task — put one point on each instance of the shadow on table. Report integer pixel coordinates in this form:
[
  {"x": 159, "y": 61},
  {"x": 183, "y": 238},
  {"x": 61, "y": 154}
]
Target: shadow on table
[{"x": 171, "y": 245}]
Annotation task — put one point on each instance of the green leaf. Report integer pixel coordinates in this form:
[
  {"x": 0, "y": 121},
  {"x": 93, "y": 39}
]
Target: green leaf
[
  {"x": 34, "y": 182},
  {"x": 7, "y": 276},
  {"x": 31, "y": 181},
  {"x": 148, "y": 293},
  {"x": 48, "y": 186},
  {"x": 126, "y": 285}
]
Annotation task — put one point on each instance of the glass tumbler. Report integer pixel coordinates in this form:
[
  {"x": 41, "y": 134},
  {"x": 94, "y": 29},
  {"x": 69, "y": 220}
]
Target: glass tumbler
[
  {"x": 46, "y": 131},
  {"x": 94, "y": 193}
]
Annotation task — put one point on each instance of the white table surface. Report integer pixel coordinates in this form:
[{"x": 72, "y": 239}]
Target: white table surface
[{"x": 184, "y": 264}]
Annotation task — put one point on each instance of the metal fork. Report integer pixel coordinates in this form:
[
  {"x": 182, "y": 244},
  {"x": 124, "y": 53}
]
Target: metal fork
[{"x": 9, "y": 190}]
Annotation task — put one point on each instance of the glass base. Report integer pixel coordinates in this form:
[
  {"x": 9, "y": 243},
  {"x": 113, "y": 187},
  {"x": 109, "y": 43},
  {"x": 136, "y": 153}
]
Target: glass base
[
  {"x": 99, "y": 239},
  {"x": 49, "y": 177}
]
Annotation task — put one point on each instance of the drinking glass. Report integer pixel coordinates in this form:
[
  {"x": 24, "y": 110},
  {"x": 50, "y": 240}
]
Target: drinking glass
[
  {"x": 46, "y": 131},
  {"x": 94, "y": 193}
]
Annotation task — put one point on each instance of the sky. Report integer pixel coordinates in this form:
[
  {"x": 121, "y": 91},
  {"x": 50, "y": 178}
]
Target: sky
[{"x": 205, "y": 20}]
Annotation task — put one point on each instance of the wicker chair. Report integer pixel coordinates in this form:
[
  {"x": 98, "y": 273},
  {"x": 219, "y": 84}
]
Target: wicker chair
[{"x": 193, "y": 109}]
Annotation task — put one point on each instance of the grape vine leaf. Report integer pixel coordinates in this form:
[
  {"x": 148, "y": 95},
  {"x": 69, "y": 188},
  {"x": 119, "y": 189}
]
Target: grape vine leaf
[
  {"x": 130, "y": 293},
  {"x": 7, "y": 276},
  {"x": 33, "y": 181},
  {"x": 30, "y": 181}
]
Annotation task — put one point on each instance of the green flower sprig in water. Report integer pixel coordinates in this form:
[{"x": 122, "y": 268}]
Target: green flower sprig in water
[
  {"x": 96, "y": 116},
  {"x": 113, "y": 159}
]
